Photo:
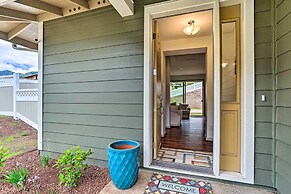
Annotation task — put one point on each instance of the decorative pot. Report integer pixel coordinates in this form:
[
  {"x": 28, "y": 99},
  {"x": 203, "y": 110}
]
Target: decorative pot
[{"x": 123, "y": 163}]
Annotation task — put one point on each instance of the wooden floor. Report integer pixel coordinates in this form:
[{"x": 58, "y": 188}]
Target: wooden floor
[{"x": 190, "y": 136}]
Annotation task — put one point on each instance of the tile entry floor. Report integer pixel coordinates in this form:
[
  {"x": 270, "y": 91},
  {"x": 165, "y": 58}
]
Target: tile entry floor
[{"x": 196, "y": 158}]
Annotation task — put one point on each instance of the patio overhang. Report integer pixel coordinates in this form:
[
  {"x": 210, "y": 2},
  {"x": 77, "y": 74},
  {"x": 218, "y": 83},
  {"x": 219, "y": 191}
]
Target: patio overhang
[{"x": 19, "y": 18}]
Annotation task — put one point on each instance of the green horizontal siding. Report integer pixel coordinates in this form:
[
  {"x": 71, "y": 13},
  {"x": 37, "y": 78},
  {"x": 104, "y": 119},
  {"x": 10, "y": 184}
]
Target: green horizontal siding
[
  {"x": 93, "y": 81},
  {"x": 95, "y": 131},
  {"x": 264, "y": 68},
  {"x": 96, "y": 76},
  {"x": 95, "y": 86},
  {"x": 93, "y": 97},
  {"x": 101, "y": 109},
  {"x": 283, "y": 94}
]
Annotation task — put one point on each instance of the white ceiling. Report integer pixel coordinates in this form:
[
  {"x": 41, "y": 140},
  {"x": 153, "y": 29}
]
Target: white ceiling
[
  {"x": 187, "y": 64},
  {"x": 172, "y": 27}
]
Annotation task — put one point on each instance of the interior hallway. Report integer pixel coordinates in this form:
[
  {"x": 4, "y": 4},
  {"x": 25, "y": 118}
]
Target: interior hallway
[{"x": 189, "y": 136}]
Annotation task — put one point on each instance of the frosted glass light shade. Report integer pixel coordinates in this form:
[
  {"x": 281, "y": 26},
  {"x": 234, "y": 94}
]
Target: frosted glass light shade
[{"x": 191, "y": 29}]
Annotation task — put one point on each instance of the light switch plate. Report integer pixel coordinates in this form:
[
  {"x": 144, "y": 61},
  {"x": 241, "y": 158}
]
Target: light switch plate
[{"x": 263, "y": 98}]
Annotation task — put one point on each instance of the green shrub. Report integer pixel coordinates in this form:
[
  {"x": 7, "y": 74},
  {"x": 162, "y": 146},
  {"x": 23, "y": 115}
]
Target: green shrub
[
  {"x": 72, "y": 165},
  {"x": 4, "y": 152},
  {"x": 17, "y": 177},
  {"x": 44, "y": 160}
]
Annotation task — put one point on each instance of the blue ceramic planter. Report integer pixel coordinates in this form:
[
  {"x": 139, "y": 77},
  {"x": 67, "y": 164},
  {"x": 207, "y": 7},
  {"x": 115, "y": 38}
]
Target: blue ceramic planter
[{"x": 123, "y": 162}]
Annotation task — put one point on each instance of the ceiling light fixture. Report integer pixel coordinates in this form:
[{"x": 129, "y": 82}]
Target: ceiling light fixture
[{"x": 191, "y": 29}]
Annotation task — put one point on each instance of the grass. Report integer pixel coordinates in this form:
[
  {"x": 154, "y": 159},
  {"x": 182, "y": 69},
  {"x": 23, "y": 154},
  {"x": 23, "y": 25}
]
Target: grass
[
  {"x": 6, "y": 140},
  {"x": 15, "y": 145},
  {"x": 195, "y": 112},
  {"x": 13, "y": 125},
  {"x": 44, "y": 160}
]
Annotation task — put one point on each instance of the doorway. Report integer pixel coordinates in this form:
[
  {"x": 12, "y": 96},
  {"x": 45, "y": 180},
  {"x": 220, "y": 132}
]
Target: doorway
[
  {"x": 180, "y": 120},
  {"x": 184, "y": 6}
]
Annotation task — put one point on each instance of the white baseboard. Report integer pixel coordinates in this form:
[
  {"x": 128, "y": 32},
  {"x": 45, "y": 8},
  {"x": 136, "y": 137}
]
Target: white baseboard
[
  {"x": 164, "y": 133},
  {"x": 209, "y": 139}
]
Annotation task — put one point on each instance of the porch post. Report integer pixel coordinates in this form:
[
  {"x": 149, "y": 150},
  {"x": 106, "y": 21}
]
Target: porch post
[{"x": 15, "y": 89}]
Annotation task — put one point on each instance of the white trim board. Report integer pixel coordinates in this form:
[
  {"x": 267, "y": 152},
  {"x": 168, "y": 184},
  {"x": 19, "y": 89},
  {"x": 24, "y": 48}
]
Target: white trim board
[
  {"x": 40, "y": 79},
  {"x": 174, "y": 7}
]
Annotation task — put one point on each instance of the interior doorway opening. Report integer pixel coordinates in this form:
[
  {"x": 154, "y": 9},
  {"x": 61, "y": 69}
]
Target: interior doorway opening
[
  {"x": 191, "y": 93},
  {"x": 183, "y": 93}
]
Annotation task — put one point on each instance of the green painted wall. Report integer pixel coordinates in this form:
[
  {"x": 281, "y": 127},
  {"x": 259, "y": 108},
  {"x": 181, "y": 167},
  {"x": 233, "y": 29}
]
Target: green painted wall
[
  {"x": 264, "y": 68},
  {"x": 93, "y": 84},
  {"x": 93, "y": 81},
  {"x": 283, "y": 95},
  {"x": 273, "y": 78}
]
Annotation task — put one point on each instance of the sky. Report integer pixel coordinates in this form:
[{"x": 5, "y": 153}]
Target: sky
[{"x": 16, "y": 61}]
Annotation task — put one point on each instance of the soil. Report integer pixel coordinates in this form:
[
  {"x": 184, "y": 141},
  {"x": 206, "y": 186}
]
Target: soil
[
  {"x": 9, "y": 126},
  {"x": 44, "y": 180},
  {"x": 124, "y": 147},
  {"x": 21, "y": 139},
  {"x": 16, "y": 135}
]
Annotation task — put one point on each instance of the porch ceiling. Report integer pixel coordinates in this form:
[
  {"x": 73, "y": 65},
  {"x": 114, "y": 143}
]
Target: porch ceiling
[{"x": 19, "y": 18}]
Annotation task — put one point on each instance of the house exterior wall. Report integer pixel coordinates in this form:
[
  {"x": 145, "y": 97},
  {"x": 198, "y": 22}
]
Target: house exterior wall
[
  {"x": 264, "y": 70},
  {"x": 283, "y": 95},
  {"x": 93, "y": 81},
  {"x": 93, "y": 84}
]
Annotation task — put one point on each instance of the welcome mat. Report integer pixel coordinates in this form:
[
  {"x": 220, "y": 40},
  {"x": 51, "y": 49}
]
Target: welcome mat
[{"x": 160, "y": 184}]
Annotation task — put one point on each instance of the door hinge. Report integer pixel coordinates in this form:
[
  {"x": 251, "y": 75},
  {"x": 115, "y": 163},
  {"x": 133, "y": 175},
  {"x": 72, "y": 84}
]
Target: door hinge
[{"x": 154, "y": 35}]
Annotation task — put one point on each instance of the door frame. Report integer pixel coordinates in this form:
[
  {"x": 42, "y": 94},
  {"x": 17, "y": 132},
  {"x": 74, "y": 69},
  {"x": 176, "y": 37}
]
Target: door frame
[{"x": 175, "y": 7}]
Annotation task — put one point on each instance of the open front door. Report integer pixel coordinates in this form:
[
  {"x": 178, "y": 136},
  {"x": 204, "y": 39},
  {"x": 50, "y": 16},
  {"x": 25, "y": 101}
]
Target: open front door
[
  {"x": 158, "y": 100},
  {"x": 230, "y": 90}
]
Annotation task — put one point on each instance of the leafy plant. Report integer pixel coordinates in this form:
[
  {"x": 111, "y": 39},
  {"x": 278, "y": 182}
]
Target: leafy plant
[
  {"x": 72, "y": 165},
  {"x": 4, "y": 152},
  {"x": 44, "y": 160},
  {"x": 17, "y": 177}
]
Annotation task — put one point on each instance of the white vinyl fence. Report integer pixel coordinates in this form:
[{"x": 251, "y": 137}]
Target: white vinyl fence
[{"x": 18, "y": 98}]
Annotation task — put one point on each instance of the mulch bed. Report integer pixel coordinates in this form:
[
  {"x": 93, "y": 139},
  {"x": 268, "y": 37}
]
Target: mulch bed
[
  {"x": 44, "y": 180},
  {"x": 9, "y": 126}
]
